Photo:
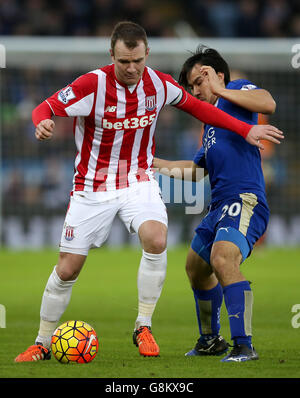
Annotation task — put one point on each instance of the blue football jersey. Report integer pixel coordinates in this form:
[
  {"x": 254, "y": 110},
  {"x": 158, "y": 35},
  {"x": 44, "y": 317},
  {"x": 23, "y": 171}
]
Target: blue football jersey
[{"x": 233, "y": 165}]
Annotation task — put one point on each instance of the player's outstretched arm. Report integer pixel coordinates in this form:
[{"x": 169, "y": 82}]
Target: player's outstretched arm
[
  {"x": 264, "y": 132},
  {"x": 179, "y": 169},
  {"x": 209, "y": 114}
]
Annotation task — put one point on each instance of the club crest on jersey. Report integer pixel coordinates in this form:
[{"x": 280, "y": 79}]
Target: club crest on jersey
[
  {"x": 69, "y": 233},
  {"x": 65, "y": 95},
  {"x": 150, "y": 103}
]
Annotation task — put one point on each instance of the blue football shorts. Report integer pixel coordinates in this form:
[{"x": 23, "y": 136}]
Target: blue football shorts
[{"x": 242, "y": 220}]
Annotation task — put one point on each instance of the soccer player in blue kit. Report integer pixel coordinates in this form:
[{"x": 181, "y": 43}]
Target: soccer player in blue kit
[{"x": 238, "y": 213}]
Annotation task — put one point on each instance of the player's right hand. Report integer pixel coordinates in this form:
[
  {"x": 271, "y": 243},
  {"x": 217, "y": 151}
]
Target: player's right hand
[{"x": 44, "y": 130}]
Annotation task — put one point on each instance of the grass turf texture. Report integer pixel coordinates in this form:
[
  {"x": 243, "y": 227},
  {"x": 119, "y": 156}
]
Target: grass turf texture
[{"x": 105, "y": 296}]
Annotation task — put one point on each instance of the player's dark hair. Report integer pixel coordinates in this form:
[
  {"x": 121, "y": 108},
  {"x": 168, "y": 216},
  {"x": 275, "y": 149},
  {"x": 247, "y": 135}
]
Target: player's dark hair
[
  {"x": 130, "y": 33},
  {"x": 204, "y": 56}
]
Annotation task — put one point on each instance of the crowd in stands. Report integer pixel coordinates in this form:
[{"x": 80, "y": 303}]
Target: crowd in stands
[{"x": 163, "y": 18}]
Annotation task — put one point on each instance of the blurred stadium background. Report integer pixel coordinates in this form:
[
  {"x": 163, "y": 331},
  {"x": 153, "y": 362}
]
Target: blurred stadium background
[{"x": 49, "y": 43}]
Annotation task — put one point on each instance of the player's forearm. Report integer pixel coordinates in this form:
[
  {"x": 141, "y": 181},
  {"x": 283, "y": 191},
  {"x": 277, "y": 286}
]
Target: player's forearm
[
  {"x": 41, "y": 112},
  {"x": 209, "y": 114},
  {"x": 179, "y": 169},
  {"x": 259, "y": 101},
  {"x": 172, "y": 168}
]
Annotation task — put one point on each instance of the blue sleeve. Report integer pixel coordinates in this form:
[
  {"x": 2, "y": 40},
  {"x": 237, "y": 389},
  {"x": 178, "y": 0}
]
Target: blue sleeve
[
  {"x": 241, "y": 84},
  {"x": 199, "y": 158}
]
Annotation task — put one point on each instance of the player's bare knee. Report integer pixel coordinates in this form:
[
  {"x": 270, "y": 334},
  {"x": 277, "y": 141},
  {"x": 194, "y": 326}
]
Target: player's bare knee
[
  {"x": 226, "y": 267},
  {"x": 200, "y": 273},
  {"x": 192, "y": 272},
  {"x": 69, "y": 266},
  {"x": 67, "y": 274},
  {"x": 155, "y": 244},
  {"x": 153, "y": 237},
  {"x": 219, "y": 262},
  {"x": 189, "y": 269}
]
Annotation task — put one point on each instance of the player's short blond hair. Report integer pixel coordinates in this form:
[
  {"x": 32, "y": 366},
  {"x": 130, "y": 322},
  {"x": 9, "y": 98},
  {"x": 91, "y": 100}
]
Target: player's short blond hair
[{"x": 130, "y": 33}]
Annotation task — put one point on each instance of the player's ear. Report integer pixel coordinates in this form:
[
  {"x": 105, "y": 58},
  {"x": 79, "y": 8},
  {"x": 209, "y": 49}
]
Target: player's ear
[
  {"x": 147, "y": 51},
  {"x": 221, "y": 77},
  {"x": 111, "y": 52}
]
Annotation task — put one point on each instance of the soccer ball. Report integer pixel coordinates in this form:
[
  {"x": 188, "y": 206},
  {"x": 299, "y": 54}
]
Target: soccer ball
[{"x": 74, "y": 341}]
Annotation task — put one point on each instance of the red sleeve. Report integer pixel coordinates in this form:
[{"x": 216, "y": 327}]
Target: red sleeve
[
  {"x": 173, "y": 91},
  {"x": 41, "y": 112},
  {"x": 76, "y": 99},
  {"x": 209, "y": 114}
]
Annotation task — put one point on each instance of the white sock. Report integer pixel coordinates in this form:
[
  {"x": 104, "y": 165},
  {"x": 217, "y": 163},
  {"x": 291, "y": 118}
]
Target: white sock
[
  {"x": 151, "y": 277},
  {"x": 45, "y": 333},
  {"x": 56, "y": 297}
]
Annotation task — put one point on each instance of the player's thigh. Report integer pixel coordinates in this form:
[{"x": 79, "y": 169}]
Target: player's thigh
[
  {"x": 87, "y": 224},
  {"x": 230, "y": 246},
  {"x": 144, "y": 205}
]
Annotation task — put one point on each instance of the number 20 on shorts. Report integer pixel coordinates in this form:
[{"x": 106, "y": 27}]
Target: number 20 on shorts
[{"x": 233, "y": 210}]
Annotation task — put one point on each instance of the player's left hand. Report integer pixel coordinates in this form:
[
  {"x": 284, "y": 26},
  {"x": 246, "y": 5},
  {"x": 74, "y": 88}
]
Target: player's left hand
[
  {"x": 212, "y": 78},
  {"x": 264, "y": 132}
]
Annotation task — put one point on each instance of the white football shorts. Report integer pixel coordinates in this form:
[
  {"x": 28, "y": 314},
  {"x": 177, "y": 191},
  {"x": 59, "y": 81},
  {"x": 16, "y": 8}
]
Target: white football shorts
[{"x": 90, "y": 215}]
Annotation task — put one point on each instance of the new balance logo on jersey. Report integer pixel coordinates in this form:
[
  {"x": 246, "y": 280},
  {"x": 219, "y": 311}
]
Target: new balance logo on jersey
[
  {"x": 110, "y": 108},
  {"x": 138, "y": 122}
]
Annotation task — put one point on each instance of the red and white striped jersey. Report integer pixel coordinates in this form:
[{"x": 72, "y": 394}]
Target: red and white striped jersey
[{"x": 114, "y": 125}]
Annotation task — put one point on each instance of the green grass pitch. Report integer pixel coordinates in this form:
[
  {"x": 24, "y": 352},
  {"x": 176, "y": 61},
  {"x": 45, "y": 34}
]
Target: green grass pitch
[{"x": 106, "y": 297}]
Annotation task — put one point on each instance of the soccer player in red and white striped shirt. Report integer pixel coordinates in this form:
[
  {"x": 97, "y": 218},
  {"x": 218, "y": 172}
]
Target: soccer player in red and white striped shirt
[{"x": 116, "y": 109}]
